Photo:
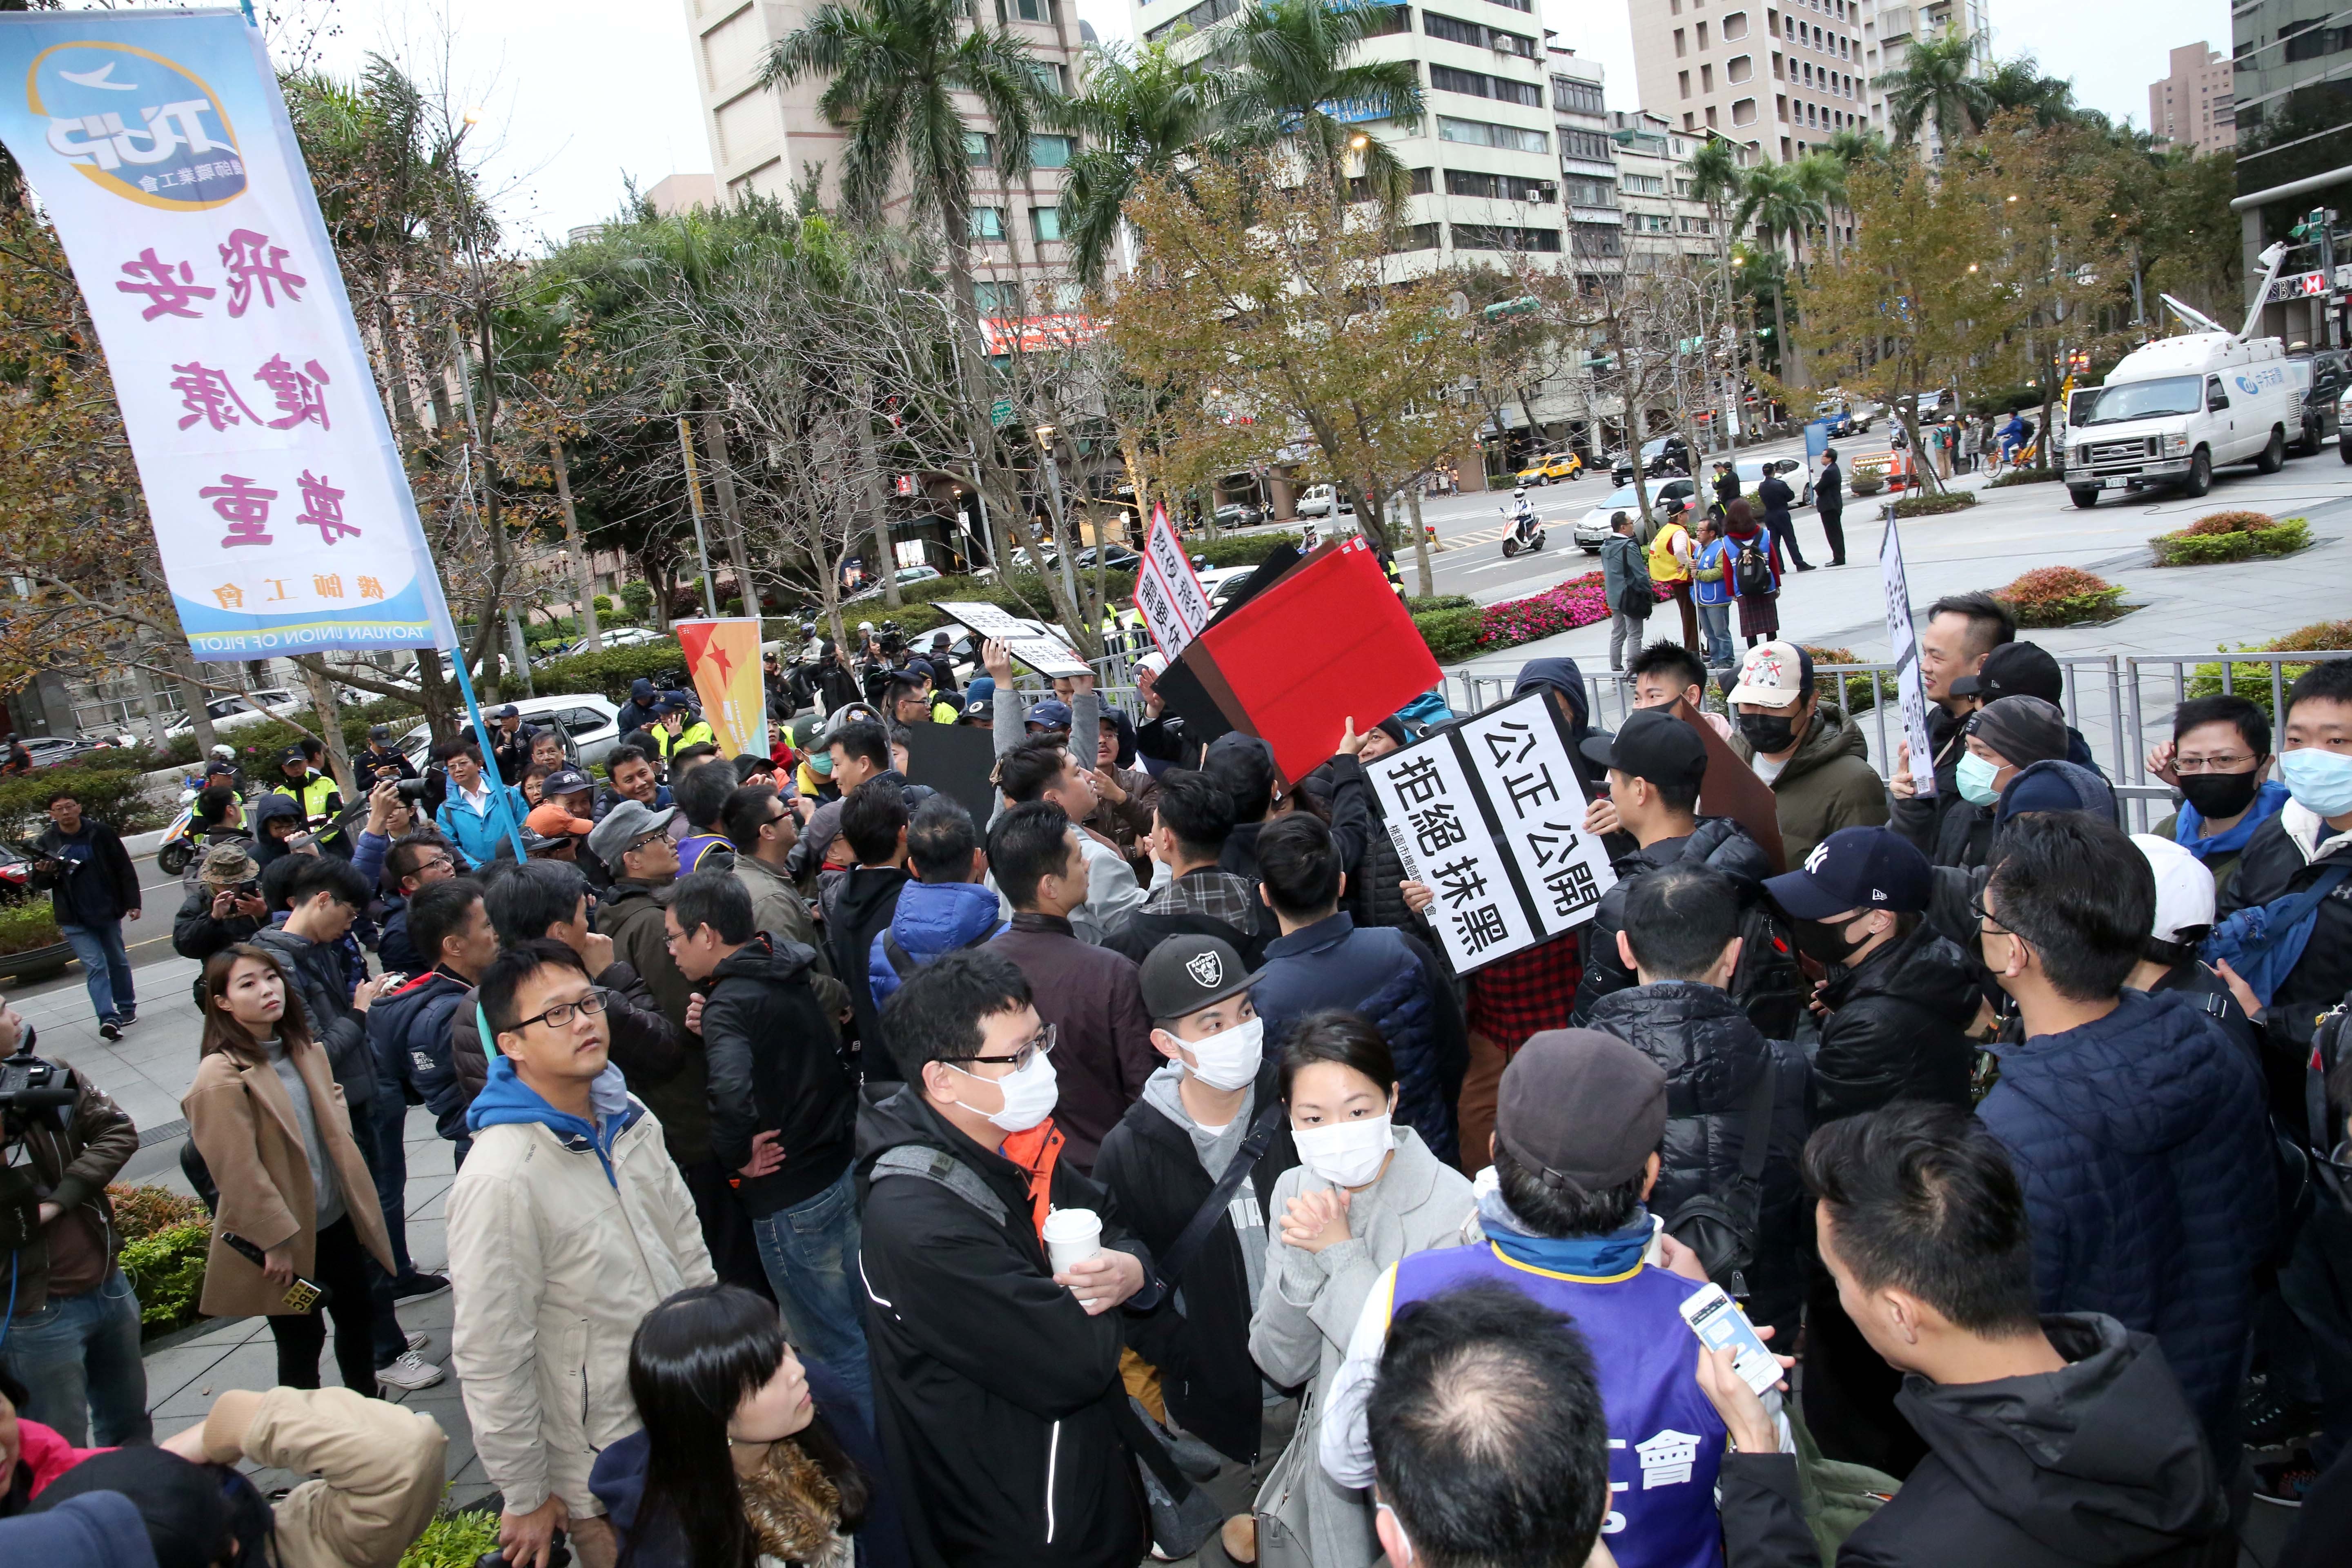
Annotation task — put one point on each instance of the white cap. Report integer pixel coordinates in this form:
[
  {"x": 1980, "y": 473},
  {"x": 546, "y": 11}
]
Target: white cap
[
  {"x": 2184, "y": 887},
  {"x": 1773, "y": 675},
  {"x": 1157, "y": 663}
]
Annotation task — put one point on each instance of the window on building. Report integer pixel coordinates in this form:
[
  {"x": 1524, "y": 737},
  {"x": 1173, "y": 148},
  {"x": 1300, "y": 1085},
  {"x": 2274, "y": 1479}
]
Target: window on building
[
  {"x": 1049, "y": 76},
  {"x": 1591, "y": 146},
  {"x": 1741, "y": 70},
  {"x": 999, "y": 302},
  {"x": 978, "y": 149},
  {"x": 1499, "y": 187},
  {"x": 1445, "y": 78},
  {"x": 1479, "y": 133},
  {"x": 1389, "y": 19},
  {"x": 1526, "y": 5},
  {"x": 1206, "y": 14},
  {"x": 1414, "y": 237},
  {"x": 1573, "y": 97},
  {"x": 1743, "y": 113},
  {"x": 1454, "y": 29},
  {"x": 1597, "y": 239},
  {"x": 1502, "y": 236},
  {"x": 1584, "y": 193},
  {"x": 1360, "y": 189},
  {"x": 1702, "y": 38},
  {"x": 1642, "y": 184},
  {"x": 1024, "y": 10},
  {"x": 1682, "y": 80},
  {"x": 1706, "y": 81},
  {"x": 1045, "y": 225},
  {"x": 1690, "y": 120},
  {"x": 1711, "y": 121},
  {"x": 1734, "y": 26},
  {"x": 1682, "y": 45},
  {"x": 988, "y": 223},
  {"x": 1050, "y": 151}
]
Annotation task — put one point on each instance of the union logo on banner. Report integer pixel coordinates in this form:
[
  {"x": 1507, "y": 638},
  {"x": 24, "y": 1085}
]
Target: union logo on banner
[{"x": 136, "y": 123}]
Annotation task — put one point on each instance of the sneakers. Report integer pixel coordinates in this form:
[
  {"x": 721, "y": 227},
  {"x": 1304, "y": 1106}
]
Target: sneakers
[
  {"x": 418, "y": 1341},
  {"x": 2274, "y": 1422},
  {"x": 109, "y": 1030},
  {"x": 411, "y": 1287},
  {"x": 409, "y": 1372}
]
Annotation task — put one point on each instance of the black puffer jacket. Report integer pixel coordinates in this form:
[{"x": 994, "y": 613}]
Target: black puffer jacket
[
  {"x": 1894, "y": 1028},
  {"x": 1711, "y": 1054},
  {"x": 1717, "y": 841},
  {"x": 775, "y": 1062}
]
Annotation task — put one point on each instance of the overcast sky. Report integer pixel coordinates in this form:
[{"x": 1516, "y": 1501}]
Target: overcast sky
[{"x": 578, "y": 95}]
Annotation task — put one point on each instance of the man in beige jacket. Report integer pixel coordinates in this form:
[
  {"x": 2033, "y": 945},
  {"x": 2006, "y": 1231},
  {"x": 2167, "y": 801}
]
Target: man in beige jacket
[{"x": 568, "y": 1223}]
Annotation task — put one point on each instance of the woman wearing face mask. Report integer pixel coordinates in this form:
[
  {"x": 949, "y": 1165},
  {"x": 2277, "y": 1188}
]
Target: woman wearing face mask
[
  {"x": 1366, "y": 1192},
  {"x": 2218, "y": 759},
  {"x": 749, "y": 1454},
  {"x": 1215, "y": 1104}
]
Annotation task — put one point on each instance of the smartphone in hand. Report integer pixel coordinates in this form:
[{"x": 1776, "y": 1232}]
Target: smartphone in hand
[{"x": 1719, "y": 1325}]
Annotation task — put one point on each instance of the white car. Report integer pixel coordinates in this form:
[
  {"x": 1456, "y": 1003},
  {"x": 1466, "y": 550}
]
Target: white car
[
  {"x": 253, "y": 707},
  {"x": 1321, "y": 499},
  {"x": 589, "y": 721},
  {"x": 619, "y": 637},
  {"x": 1592, "y": 528}
]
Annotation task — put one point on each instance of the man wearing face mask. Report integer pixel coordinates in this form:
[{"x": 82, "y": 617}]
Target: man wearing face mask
[
  {"x": 1198, "y": 1156},
  {"x": 2219, "y": 760},
  {"x": 1814, "y": 757},
  {"x": 1893, "y": 1009},
  {"x": 2003, "y": 741},
  {"x": 996, "y": 1380}
]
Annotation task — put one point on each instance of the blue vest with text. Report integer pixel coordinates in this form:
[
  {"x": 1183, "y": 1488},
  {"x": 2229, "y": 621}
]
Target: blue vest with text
[{"x": 1666, "y": 1441}]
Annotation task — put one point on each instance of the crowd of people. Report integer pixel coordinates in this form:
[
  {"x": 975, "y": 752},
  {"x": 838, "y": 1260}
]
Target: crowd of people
[{"x": 847, "y": 1175}]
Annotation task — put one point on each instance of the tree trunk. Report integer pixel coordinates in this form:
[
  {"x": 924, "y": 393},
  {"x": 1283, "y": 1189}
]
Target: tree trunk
[
  {"x": 870, "y": 493},
  {"x": 440, "y": 704},
  {"x": 730, "y": 515},
  {"x": 1420, "y": 541},
  {"x": 330, "y": 725},
  {"x": 200, "y": 717},
  {"x": 151, "y": 700},
  {"x": 583, "y": 571}
]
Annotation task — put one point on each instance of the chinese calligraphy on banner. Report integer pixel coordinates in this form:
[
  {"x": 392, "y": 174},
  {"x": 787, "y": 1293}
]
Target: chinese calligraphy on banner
[
  {"x": 723, "y": 657},
  {"x": 1040, "y": 650},
  {"x": 161, "y": 149},
  {"x": 1168, "y": 592},
  {"x": 1909, "y": 684},
  {"x": 1489, "y": 813}
]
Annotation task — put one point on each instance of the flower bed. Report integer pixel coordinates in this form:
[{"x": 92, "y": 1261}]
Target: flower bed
[
  {"x": 1460, "y": 633},
  {"x": 2230, "y": 536},
  {"x": 1860, "y": 692},
  {"x": 2061, "y": 596},
  {"x": 1932, "y": 505},
  {"x": 2025, "y": 477},
  {"x": 2252, "y": 681}
]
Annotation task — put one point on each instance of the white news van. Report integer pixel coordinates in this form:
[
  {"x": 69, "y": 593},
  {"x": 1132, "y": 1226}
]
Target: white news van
[{"x": 2177, "y": 409}]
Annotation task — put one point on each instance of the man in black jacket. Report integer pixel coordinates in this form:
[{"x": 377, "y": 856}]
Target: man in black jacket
[
  {"x": 225, "y": 906},
  {"x": 1829, "y": 503},
  {"x": 782, "y": 1107},
  {"x": 92, "y": 890},
  {"x": 2051, "y": 1440},
  {"x": 1192, "y": 818},
  {"x": 874, "y": 820},
  {"x": 1170, "y": 1156},
  {"x": 1960, "y": 630},
  {"x": 996, "y": 1380}
]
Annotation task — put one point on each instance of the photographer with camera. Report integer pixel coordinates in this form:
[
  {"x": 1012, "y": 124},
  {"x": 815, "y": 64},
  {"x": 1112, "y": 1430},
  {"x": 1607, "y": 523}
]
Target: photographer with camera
[
  {"x": 72, "y": 1335},
  {"x": 81, "y": 863},
  {"x": 224, "y": 907}
]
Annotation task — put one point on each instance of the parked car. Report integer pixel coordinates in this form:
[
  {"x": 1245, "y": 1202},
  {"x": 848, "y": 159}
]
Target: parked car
[
  {"x": 253, "y": 707},
  {"x": 1668, "y": 454},
  {"x": 619, "y": 637},
  {"x": 588, "y": 721},
  {"x": 2321, "y": 378},
  {"x": 1592, "y": 528},
  {"x": 2174, "y": 410},
  {"x": 1321, "y": 501},
  {"x": 1116, "y": 558},
  {"x": 47, "y": 751},
  {"x": 1239, "y": 514}
]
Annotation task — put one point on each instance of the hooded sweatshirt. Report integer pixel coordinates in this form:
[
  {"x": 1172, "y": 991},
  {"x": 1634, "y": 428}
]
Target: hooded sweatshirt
[
  {"x": 267, "y": 846},
  {"x": 2143, "y": 1145},
  {"x": 2100, "y": 1462},
  {"x": 933, "y": 917},
  {"x": 506, "y": 1100}
]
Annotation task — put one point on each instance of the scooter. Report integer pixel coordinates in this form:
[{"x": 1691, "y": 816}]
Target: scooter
[
  {"x": 1526, "y": 534},
  {"x": 177, "y": 847}
]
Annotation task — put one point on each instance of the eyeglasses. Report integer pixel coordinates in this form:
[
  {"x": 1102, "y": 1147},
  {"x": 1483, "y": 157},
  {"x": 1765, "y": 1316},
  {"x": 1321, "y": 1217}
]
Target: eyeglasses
[
  {"x": 2232, "y": 762},
  {"x": 1039, "y": 1044},
  {"x": 636, "y": 845},
  {"x": 435, "y": 863},
  {"x": 1985, "y": 923},
  {"x": 562, "y": 1012}
]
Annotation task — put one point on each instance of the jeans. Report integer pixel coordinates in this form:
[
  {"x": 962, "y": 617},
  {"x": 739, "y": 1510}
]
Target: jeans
[
  {"x": 810, "y": 1252},
  {"x": 1714, "y": 620},
  {"x": 78, "y": 1356},
  {"x": 1623, "y": 629},
  {"x": 386, "y": 1157},
  {"x": 342, "y": 1266},
  {"x": 105, "y": 968}
]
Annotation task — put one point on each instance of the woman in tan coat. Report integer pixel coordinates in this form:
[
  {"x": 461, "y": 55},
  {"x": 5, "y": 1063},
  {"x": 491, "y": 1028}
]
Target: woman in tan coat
[{"x": 266, "y": 1114}]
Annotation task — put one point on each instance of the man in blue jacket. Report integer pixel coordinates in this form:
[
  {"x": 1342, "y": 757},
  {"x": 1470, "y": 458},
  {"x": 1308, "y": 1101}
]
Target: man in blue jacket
[
  {"x": 1322, "y": 960},
  {"x": 2138, "y": 1128},
  {"x": 948, "y": 905}
]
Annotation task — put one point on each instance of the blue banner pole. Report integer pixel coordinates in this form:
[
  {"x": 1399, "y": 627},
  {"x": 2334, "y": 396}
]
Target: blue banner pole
[{"x": 499, "y": 792}]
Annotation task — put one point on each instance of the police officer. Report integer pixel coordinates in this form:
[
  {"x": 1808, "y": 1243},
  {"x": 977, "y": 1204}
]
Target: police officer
[{"x": 315, "y": 793}]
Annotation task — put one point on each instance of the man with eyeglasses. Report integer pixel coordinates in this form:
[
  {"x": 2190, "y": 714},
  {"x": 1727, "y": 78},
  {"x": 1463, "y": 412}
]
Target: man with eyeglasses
[
  {"x": 996, "y": 1378},
  {"x": 567, "y": 1224},
  {"x": 2219, "y": 760},
  {"x": 410, "y": 865},
  {"x": 764, "y": 830}
]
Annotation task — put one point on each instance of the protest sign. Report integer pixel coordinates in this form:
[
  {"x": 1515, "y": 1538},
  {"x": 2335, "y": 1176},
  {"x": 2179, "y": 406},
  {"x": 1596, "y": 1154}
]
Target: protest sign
[
  {"x": 161, "y": 149},
  {"x": 1040, "y": 649},
  {"x": 957, "y": 761},
  {"x": 1903, "y": 647},
  {"x": 723, "y": 657},
  {"x": 1490, "y": 815},
  {"x": 1168, "y": 592}
]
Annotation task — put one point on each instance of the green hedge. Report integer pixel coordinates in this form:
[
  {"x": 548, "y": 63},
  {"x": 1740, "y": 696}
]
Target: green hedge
[
  {"x": 28, "y": 926},
  {"x": 1933, "y": 506},
  {"x": 2285, "y": 537},
  {"x": 167, "y": 1272},
  {"x": 611, "y": 670},
  {"x": 2025, "y": 477},
  {"x": 1451, "y": 634},
  {"x": 115, "y": 795}
]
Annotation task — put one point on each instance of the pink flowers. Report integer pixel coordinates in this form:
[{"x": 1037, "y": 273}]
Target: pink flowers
[{"x": 1577, "y": 601}]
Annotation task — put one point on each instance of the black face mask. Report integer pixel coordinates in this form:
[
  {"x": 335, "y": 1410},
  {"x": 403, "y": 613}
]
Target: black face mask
[
  {"x": 2220, "y": 795},
  {"x": 1769, "y": 732},
  {"x": 1824, "y": 942}
]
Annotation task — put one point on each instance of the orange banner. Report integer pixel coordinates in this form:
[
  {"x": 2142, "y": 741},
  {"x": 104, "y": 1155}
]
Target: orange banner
[{"x": 723, "y": 657}]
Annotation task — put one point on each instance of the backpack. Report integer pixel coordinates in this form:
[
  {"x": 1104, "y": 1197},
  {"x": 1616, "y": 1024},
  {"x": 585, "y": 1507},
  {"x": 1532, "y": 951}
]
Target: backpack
[
  {"x": 1750, "y": 572},
  {"x": 1767, "y": 983},
  {"x": 1721, "y": 1229},
  {"x": 2264, "y": 942}
]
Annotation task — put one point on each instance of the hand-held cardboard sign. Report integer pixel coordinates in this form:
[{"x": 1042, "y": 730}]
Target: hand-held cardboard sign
[{"x": 1043, "y": 652}]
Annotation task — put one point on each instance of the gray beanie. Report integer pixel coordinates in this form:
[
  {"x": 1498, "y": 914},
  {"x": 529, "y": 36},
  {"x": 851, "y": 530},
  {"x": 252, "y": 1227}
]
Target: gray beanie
[{"x": 2024, "y": 729}]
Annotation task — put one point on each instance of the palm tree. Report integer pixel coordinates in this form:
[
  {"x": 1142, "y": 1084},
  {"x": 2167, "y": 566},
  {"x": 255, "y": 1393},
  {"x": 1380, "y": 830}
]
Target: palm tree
[
  {"x": 2020, "y": 84},
  {"x": 1141, "y": 110},
  {"x": 1823, "y": 177},
  {"x": 1934, "y": 84},
  {"x": 1292, "y": 68},
  {"x": 1780, "y": 206},
  {"x": 1715, "y": 179},
  {"x": 892, "y": 68}
]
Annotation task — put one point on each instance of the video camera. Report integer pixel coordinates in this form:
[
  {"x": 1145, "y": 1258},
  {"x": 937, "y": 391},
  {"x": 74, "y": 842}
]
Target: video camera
[
  {"x": 414, "y": 790},
  {"x": 28, "y": 1083}
]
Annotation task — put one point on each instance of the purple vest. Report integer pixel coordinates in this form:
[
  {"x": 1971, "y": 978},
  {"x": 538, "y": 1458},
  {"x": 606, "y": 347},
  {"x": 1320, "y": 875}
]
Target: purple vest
[{"x": 1666, "y": 1440}]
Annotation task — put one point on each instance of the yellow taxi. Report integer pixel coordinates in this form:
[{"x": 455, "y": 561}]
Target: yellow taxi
[{"x": 1565, "y": 466}]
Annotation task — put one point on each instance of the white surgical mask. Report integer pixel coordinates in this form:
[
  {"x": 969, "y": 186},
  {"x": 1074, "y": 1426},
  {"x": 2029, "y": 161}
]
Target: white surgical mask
[
  {"x": 1230, "y": 1059},
  {"x": 1030, "y": 1093},
  {"x": 1346, "y": 1153}
]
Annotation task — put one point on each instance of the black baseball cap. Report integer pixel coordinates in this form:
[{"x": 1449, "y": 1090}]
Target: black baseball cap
[
  {"x": 1854, "y": 869},
  {"x": 1580, "y": 1105},
  {"x": 2015, "y": 670},
  {"x": 1653, "y": 743},
  {"x": 291, "y": 754},
  {"x": 1186, "y": 973},
  {"x": 379, "y": 733}
]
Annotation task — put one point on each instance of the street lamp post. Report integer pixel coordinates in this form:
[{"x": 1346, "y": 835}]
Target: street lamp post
[{"x": 1061, "y": 523}]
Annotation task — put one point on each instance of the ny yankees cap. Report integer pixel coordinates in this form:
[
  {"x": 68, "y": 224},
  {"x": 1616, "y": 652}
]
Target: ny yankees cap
[
  {"x": 1854, "y": 869},
  {"x": 1186, "y": 973}
]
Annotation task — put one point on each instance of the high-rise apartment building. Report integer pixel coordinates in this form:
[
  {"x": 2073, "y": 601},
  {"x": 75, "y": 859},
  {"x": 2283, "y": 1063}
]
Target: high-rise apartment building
[
  {"x": 2294, "y": 146},
  {"x": 2193, "y": 106},
  {"x": 1486, "y": 173},
  {"x": 769, "y": 141},
  {"x": 1781, "y": 77},
  {"x": 1888, "y": 32}
]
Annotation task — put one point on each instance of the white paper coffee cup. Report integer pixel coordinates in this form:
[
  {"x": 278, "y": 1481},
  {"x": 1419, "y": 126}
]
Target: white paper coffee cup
[{"x": 1072, "y": 1236}]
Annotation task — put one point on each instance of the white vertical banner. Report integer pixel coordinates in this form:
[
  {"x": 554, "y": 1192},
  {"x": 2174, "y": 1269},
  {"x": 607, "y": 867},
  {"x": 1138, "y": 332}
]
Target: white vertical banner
[
  {"x": 1441, "y": 834},
  {"x": 1521, "y": 758},
  {"x": 1903, "y": 650},
  {"x": 161, "y": 151},
  {"x": 1166, "y": 547},
  {"x": 1157, "y": 606}
]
